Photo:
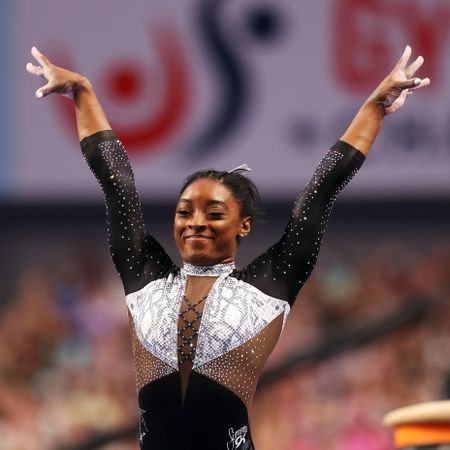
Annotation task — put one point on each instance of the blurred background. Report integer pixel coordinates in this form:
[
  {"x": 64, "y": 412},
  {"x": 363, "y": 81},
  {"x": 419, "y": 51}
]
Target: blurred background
[{"x": 209, "y": 83}]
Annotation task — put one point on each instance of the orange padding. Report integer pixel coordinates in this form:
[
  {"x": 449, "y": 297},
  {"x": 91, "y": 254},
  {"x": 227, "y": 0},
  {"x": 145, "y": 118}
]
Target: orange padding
[{"x": 422, "y": 434}]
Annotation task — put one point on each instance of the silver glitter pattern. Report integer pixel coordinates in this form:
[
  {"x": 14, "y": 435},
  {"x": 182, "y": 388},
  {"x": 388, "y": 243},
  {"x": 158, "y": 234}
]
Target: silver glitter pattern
[
  {"x": 234, "y": 312},
  {"x": 155, "y": 311},
  {"x": 207, "y": 271}
]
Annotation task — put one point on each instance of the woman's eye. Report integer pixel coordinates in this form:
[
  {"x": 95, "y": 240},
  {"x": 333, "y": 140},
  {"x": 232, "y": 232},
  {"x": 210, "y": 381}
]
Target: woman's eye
[
  {"x": 183, "y": 212},
  {"x": 215, "y": 215}
]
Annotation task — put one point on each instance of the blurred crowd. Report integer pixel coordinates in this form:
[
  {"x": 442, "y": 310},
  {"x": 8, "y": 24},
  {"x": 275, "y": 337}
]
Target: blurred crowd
[{"x": 66, "y": 367}]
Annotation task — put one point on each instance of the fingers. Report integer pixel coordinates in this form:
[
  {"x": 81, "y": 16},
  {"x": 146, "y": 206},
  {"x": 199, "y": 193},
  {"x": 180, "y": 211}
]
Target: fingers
[
  {"x": 423, "y": 82},
  {"x": 415, "y": 83},
  {"x": 407, "y": 88},
  {"x": 43, "y": 91},
  {"x": 35, "y": 70},
  {"x": 38, "y": 71},
  {"x": 402, "y": 82},
  {"x": 397, "y": 104},
  {"x": 410, "y": 84},
  {"x": 414, "y": 67},
  {"x": 401, "y": 64},
  {"x": 40, "y": 58}
]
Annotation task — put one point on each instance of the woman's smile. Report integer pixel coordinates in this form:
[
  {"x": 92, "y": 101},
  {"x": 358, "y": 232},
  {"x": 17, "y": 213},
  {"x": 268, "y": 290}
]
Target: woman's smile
[{"x": 197, "y": 238}]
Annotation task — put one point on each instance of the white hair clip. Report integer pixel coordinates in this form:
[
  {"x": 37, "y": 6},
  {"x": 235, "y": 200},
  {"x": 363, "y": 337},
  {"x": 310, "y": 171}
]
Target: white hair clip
[{"x": 242, "y": 168}]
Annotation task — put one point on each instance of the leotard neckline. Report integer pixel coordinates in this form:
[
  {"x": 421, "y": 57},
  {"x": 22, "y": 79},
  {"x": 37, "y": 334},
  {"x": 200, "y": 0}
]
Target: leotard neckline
[{"x": 215, "y": 270}]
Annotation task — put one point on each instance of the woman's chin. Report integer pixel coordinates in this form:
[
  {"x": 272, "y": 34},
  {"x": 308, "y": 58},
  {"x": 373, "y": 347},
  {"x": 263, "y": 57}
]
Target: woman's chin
[
  {"x": 202, "y": 259},
  {"x": 198, "y": 258}
]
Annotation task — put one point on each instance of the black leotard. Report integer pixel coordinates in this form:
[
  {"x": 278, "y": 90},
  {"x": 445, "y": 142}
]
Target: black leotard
[{"x": 233, "y": 330}]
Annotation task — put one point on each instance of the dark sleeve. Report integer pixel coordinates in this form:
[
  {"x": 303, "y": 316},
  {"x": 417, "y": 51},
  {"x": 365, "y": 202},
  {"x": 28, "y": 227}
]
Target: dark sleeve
[
  {"x": 283, "y": 269},
  {"x": 137, "y": 256}
]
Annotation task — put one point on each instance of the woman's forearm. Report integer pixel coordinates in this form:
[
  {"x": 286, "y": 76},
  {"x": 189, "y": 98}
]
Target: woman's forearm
[
  {"x": 365, "y": 126},
  {"x": 88, "y": 111}
]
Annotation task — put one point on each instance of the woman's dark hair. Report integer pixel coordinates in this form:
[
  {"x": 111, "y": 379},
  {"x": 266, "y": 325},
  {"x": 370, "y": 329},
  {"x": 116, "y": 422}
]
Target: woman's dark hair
[{"x": 244, "y": 190}]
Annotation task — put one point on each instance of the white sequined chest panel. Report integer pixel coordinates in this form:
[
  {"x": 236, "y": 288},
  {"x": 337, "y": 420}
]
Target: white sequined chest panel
[{"x": 234, "y": 312}]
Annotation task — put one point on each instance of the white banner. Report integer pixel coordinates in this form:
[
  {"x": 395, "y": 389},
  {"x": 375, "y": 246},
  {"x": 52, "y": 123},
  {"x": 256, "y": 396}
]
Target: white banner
[{"x": 214, "y": 83}]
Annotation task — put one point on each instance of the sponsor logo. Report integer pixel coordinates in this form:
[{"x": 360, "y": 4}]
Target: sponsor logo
[{"x": 237, "y": 438}]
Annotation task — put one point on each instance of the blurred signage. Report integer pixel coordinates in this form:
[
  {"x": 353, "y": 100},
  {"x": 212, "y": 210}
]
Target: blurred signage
[{"x": 214, "y": 83}]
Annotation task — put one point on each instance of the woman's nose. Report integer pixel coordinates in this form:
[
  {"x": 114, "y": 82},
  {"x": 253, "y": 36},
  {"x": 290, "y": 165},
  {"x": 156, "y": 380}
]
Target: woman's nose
[{"x": 197, "y": 221}]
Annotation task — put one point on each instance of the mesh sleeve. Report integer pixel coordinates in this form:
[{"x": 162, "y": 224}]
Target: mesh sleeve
[
  {"x": 283, "y": 269},
  {"x": 137, "y": 256}
]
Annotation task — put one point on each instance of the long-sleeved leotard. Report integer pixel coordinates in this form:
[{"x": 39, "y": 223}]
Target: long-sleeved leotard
[{"x": 230, "y": 334}]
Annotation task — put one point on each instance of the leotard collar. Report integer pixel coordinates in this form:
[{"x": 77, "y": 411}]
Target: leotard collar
[{"x": 208, "y": 271}]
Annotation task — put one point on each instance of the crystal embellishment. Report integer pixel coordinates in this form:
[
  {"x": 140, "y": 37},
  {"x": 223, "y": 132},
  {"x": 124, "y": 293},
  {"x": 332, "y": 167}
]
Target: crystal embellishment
[{"x": 208, "y": 271}]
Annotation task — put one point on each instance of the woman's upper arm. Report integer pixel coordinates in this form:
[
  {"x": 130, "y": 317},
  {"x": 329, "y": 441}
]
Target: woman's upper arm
[
  {"x": 137, "y": 256},
  {"x": 282, "y": 270}
]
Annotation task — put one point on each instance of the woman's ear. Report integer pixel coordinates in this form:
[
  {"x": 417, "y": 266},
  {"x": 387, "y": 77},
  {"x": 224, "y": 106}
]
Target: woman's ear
[{"x": 246, "y": 225}]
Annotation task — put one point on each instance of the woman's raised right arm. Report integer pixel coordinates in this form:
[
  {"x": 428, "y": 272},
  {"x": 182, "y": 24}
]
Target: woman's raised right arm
[{"x": 138, "y": 257}]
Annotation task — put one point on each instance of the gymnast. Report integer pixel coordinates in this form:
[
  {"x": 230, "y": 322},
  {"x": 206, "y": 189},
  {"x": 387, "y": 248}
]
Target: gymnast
[{"x": 202, "y": 332}]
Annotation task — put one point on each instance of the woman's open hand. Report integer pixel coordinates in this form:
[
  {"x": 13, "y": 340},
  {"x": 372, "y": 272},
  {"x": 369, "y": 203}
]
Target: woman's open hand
[
  {"x": 400, "y": 83},
  {"x": 59, "y": 80},
  {"x": 88, "y": 111}
]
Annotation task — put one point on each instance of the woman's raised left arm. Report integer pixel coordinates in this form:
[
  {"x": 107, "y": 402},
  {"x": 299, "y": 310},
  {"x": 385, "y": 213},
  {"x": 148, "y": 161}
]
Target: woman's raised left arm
[{"x": 283, "y": 269}]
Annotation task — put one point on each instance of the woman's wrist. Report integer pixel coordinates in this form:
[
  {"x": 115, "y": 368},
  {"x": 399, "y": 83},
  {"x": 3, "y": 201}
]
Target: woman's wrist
[
  {"x": 81, "y": 86},
  {"x": 374, "y": 105},
  {"x": 365, "y": 126},
  {"x": 88, "y": 111}
]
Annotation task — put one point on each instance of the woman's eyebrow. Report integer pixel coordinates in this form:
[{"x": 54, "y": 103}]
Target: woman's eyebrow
[
  {"x": 217, "y": 202},
  {"x": 208, "y": 203}
]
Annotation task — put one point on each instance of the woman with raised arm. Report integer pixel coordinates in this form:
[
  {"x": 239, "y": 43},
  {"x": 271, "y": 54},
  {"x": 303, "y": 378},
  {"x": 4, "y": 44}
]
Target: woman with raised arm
[{"x": 203, "y": 332}]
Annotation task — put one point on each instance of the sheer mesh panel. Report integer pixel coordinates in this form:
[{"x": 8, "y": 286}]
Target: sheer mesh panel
[
  {"x": 190, "y": 316},
  {"x": 240, "y": 369},
  {"x": 148, "y": 367}
]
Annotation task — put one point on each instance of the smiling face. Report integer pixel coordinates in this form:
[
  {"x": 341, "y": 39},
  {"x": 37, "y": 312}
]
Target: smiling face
[{"x": 208, "y": 223}]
